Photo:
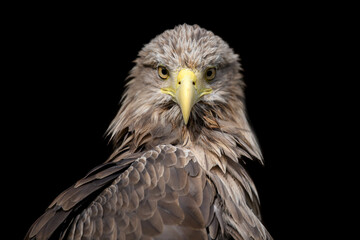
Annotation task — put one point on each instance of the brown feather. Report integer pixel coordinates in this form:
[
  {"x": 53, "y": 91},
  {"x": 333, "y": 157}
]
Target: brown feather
[
  {"x": 171, "y": 212},
  {"x": 178, "y": 178},
  {"x": 206, "y": 207},
  {"x": 152, "y": 226},
  {"x": 213, "y": 228},
  {"x": 193, "y": 216}
]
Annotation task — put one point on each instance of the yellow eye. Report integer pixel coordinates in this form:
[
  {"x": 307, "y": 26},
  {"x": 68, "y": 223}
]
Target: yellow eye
[
  {"x": 163, "y": 72},
  {"x": 210, "y": 73}
]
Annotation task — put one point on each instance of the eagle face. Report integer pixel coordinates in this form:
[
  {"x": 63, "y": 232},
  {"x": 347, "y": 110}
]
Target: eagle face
[
  {"x": 187, "y": 86},
  {"x": 187, "y": 66}
]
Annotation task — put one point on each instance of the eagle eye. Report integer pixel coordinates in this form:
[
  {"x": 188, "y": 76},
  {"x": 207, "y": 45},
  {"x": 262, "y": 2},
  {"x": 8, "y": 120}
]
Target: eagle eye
[
  {"x": 210, "y": 73},
  {"x": 163, "y": 72}
]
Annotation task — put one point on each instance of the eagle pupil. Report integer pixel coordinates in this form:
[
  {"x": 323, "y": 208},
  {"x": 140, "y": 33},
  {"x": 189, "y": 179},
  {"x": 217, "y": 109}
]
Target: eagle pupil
[
  {"x": 209, "y": 73},
  {"x": 164, "y": 71}
]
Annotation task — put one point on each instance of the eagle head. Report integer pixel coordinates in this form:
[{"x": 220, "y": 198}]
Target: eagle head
[{"x": 186, "y": 88}]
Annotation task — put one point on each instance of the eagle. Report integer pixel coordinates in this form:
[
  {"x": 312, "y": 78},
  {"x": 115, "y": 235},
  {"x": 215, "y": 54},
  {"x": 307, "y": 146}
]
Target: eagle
[{"x": 181, "y": 138}]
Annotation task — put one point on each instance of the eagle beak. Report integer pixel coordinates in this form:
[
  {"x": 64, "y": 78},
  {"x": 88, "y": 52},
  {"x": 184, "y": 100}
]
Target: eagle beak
[{"x": 186, "y": 90}]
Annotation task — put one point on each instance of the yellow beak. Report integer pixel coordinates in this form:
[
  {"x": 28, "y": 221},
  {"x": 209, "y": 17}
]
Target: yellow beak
[
  {"x": 187, "y": 90},
  {"x": 186, "y": 94}
]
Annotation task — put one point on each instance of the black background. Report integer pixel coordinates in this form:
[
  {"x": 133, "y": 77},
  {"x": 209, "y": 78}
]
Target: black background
[{"x": 67, "y": 67}]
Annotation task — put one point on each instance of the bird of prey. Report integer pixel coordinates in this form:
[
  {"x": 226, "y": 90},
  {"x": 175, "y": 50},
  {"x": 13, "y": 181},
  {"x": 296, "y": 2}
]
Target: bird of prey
[{"x": 181, "y": 138}]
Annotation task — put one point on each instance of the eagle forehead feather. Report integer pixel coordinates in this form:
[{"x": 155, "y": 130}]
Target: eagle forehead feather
[{"x": 187, "y": 46}]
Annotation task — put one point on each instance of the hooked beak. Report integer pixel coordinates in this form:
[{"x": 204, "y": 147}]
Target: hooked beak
[{"x": 188, "y": 90}]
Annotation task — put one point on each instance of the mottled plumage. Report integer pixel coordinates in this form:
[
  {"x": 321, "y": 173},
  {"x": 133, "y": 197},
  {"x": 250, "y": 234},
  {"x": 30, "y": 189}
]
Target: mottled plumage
[{"x": 169, "y": 178}]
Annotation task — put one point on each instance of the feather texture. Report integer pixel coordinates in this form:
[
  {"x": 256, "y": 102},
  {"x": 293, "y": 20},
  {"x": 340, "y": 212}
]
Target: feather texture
[{"x": 166, "y": 179}]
